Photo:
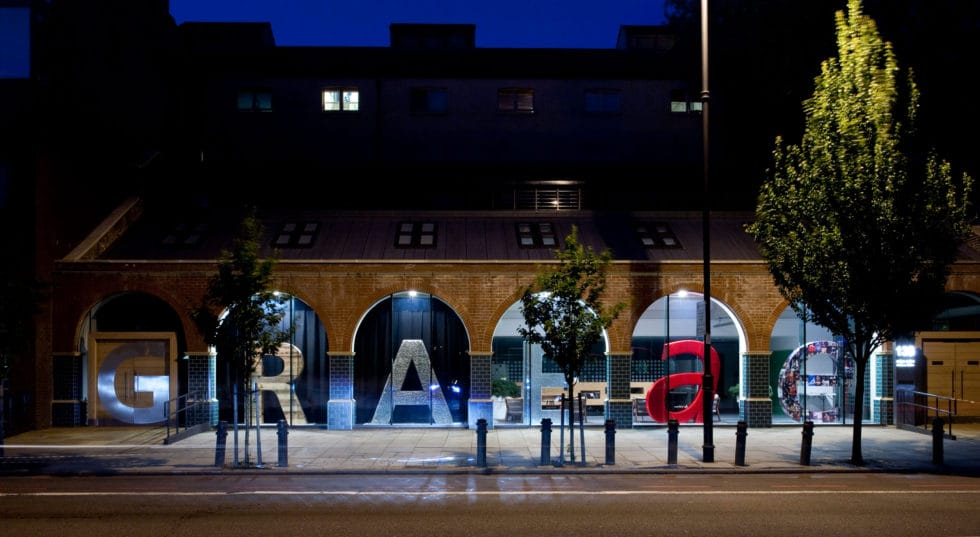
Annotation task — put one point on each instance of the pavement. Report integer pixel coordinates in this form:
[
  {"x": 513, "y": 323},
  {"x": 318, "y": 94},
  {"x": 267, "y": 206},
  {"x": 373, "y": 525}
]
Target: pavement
[{"x": 92, "y": 450}]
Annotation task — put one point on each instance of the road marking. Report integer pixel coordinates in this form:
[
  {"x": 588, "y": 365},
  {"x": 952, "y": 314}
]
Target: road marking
[{"x": 489, "y": 493}]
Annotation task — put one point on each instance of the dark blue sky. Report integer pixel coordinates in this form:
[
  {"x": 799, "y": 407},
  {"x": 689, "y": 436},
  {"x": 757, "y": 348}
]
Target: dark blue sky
[{"x": 499, "y": 23}]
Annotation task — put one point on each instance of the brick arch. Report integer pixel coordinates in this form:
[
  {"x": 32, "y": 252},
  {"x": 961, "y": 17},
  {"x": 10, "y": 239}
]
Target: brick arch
[
  {"x": 190, "y": 333},
  {"x": 490, "y": 326},
  {"x": 329, "y": 323},
  {"x": 364, "y": 304}
]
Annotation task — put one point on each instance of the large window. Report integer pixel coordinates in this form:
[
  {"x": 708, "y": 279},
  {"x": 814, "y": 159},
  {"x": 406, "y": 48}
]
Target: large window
[
  {"x": 515, "y": 100},
  {"x": 341, "y": 99}
]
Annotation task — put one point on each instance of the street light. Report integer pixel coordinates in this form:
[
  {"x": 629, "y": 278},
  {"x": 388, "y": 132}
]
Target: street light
[{"x": 707, "y": 380}]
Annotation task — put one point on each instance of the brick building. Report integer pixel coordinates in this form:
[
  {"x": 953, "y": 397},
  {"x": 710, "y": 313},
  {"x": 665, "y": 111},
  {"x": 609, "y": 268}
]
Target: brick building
[{"x": 408, "y": 193}]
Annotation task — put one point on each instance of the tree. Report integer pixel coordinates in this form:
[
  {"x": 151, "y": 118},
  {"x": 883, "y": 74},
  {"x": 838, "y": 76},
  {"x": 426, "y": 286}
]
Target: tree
[
  {"x": 563, "y": 313},
  {"x": 860, "y": 222},
  {"x": 250, "y": 326}
]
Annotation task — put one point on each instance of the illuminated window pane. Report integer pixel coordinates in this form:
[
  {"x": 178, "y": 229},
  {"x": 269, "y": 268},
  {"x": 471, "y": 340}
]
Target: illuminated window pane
[{"x": 331, "y": 100}]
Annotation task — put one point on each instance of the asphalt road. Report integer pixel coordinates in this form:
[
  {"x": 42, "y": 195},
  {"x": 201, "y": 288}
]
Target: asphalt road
[{"x": 862, "y": 504}]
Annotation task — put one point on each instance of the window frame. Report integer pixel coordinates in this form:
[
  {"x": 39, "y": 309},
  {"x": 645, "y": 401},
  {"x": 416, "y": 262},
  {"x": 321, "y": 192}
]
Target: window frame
[
  {"x": 657, "y": 235},
  {"x": 509, "y": 100},
  {"x": 411, "y": 234},
  {"x": 536, "y": 235},
  {"x": 256, "y": 101},
  {"x": 296, "y": 234},
  {"x": 343, "y": 103}
]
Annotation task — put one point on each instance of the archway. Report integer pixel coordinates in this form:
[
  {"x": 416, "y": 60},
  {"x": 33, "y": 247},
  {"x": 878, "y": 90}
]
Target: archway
[{"x": 411, "y": 365}]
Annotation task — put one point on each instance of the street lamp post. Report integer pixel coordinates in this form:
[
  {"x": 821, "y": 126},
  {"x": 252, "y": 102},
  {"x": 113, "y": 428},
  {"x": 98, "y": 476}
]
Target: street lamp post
[
  {"x": 667, "y": 362},
  {"x": 708, "y": 448}
]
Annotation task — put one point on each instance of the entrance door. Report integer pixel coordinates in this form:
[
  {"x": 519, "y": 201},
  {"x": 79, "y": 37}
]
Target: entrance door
[{"x": 132, "y": 381}]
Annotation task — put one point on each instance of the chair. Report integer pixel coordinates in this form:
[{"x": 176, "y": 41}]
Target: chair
[{"x": 515, "y": 408}]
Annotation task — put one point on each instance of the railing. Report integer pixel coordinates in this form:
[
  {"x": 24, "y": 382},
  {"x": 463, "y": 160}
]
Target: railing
[
  {"x": 186, "y": 410},
  {"x": 917, "y": 410}
]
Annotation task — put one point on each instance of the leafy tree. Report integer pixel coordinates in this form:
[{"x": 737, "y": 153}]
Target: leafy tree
[
  {"x": 787, "y": 40},
  {"x": 859, "y": 222},
  {"x": 250, "y": 326},
  {"x": 563, "y": 313}
]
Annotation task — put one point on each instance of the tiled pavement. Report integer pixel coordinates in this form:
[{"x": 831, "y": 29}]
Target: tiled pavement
[{"x": 113, "y": 450}]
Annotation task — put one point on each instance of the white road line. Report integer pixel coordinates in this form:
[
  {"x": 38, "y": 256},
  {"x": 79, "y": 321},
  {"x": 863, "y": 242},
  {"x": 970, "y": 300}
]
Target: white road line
[{"x": 493, "y": 493}]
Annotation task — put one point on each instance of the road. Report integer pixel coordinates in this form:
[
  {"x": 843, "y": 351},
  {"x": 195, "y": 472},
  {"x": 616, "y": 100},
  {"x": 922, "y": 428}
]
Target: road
[{"x": 777, "y": 504}]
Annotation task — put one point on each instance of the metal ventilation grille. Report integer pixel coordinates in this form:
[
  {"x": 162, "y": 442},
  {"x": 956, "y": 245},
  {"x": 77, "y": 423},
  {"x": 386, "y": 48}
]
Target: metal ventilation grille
[{"x": 548, "y": 199}]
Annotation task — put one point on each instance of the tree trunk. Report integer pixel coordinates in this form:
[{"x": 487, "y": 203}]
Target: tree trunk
[
  {"x": 861, "y": 364},
  {"x": 570, "y": 381}
]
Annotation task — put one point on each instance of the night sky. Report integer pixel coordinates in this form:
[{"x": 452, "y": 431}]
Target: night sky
[{"x": 499, "y": 23}]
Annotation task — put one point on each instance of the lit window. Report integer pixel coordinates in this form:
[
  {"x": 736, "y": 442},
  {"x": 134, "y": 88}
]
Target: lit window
[
  {"x": 429, "y": 101},
  {"x": 296, "y": 235},
  {"x": 603, "y": 101},
  {"x": 341, "y": 100},
  {"x": 657, "y": 235},
  {"x": 255, "y": 101},
  {"x": 682, "y": 102},
  {"x": 416, "y": 235},
  {"x": 515, "y": 100},
  {"x": 536, "y": 235}
]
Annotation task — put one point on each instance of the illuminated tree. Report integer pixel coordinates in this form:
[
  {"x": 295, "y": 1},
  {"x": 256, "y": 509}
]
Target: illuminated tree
[{"x": 860, "y": 222}]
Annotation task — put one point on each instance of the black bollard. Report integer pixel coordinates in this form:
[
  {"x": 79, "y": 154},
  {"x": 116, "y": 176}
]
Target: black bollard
[
  {"x": 545, "y": 441},
  {"x": 807, "y": 443},
  {"x": 937, "y": 441},
  {"x": 610, "y": 441},
  {"x": 219, "y": 450},
  {"x": 740, "y": 433},
  {"x": 481, "y": 442},
  {"x": 673, "y": 428},
  {"x": 283, "y": 452}
]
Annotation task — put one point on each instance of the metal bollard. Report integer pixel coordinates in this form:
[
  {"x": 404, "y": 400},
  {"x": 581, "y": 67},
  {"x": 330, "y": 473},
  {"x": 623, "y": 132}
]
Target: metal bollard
[
  {"x": 481, "y": 442},
  {"x": 545, "y": 441},
  {"x": 610, "y": 441},
  {"x": 937, "y": 441},
  {"x": 741, "y": 431},
  {"x": 807, "y": 443},
  {"x": 283, "y": 433},
  {"x": 673, "y": 427},
  {"x": 219, "y": 450}
]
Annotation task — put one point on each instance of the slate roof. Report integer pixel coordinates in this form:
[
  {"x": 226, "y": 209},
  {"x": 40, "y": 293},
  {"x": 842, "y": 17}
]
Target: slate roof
[{"x": 459, "y": 236}]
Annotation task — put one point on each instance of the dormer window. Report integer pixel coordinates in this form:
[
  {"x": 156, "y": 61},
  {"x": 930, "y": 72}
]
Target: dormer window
[
  {"x": 296, "y": 235},
  {"x": 657, "y": 235},
  {"x": 536, "y": 235},
  {"x": 416, "y": 235}
]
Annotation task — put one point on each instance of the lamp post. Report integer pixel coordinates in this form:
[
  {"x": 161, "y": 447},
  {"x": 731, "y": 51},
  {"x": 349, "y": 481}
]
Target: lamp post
[
  {"x": 708, "y": 449},
  {"x": 667, "y": 362}
]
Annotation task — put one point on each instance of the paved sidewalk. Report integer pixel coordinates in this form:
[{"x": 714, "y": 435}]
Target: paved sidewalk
[{"x": 128, "y": 450}]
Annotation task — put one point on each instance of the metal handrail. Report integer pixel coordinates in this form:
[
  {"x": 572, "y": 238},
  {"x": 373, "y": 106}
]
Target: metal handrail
[
  {"x": 908, "y": 405},
  {"x": 178, "y": 406}
]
